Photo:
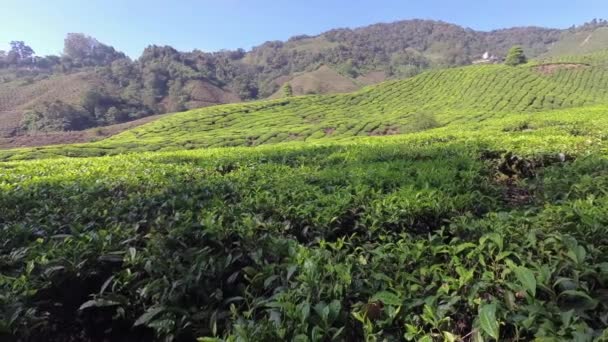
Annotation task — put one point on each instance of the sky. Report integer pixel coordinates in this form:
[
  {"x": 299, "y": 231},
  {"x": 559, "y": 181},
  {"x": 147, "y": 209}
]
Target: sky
[{"x": 210, "y": 25}]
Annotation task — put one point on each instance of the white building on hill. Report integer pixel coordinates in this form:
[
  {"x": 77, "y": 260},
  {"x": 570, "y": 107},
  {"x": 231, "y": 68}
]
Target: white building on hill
[{"x": 487, "y": 58}]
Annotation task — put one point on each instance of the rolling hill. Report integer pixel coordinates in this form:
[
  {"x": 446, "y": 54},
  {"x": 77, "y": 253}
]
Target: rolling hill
[
  {"x": 165, "y": 80},
  {"x": 19, "y": 95},
  {"x": 432, "y": 99}
]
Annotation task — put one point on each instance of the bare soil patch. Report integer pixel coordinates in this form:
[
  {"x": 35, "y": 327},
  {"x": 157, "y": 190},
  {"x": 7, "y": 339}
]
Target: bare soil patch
[
  {"x": 372, "y": 77},
  {"x": 329, "y": 131},
  {"x": 386, "y": 131},
  {"x": 550, "y": 69}
]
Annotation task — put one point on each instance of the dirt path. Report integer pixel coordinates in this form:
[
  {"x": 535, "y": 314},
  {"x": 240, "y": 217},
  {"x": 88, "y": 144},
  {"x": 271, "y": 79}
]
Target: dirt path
[{"x": 586, "y": 41}]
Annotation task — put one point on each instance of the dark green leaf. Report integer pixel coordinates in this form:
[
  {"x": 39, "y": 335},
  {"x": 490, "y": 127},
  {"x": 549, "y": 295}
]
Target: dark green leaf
[{"x": 487, "y": 320}]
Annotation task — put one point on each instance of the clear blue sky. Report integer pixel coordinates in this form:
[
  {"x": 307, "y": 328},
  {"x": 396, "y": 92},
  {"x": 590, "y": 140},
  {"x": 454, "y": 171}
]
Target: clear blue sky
[{"x": 131, "y": 25}]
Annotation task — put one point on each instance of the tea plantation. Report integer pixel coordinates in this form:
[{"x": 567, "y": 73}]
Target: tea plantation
[
  {"x": 444, "y": 97},
  {"x": 466, "y": 204}
]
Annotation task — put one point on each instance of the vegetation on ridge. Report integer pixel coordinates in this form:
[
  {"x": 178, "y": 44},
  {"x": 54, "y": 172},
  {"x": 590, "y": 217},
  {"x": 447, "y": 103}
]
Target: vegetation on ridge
[{"x": 516, "y": 56}]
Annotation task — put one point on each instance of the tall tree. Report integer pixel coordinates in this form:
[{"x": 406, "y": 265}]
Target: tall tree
[
  {"x": 20, "y": 53},
  {"x": 516, "y": 56},
  {"x": 287, "y": 90},
  {"x": 88, "y": 51}
]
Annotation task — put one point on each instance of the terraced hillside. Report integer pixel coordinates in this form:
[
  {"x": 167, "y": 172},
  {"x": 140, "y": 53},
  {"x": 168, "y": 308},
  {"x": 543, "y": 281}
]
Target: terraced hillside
[
  {"x": 432, "y": 99},
  {"x": 109, "y": 88}
]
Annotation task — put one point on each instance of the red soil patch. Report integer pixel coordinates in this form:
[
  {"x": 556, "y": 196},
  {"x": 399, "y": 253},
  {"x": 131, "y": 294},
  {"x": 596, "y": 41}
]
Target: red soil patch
[
  {"x": 373, "y": 77},
  {"x": 550, "y": 69}
]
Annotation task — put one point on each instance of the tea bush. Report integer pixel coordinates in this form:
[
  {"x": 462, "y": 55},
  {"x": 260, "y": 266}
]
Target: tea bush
[{"x": 408, "y": 237}]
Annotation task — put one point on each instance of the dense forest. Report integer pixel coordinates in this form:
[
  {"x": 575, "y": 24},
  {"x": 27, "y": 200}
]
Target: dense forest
[{"x": 159, "y": 80}]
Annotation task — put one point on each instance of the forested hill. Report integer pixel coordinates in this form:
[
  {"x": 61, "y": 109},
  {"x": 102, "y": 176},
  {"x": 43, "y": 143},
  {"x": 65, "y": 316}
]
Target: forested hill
[{"x": 91, "y": 84}]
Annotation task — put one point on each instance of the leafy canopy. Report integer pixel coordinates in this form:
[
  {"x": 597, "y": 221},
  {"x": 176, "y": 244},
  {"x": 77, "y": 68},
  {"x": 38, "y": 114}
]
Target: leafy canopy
[{"x": 516, "y": 56}]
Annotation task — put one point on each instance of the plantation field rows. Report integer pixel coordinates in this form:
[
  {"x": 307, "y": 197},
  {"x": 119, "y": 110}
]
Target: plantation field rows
[
  {"x": 419, "y": 236},
  {"x": 432, "y": 99}
]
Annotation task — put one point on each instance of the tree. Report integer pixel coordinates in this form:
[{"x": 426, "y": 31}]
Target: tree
[
  {"x": 46, "y": 62},
  {"x": 19, "y": 53},
  {"x": 244, "y": 86},
  {"x": 113, "y": 115},
  {"x": 177, "y": 96},
  {"x": 55, "y": 116},
  {"x": 287, "y": 90},
  {"x": 88, "y": 51},
  {"x": 516, "y": 56},
  {"x": 348, "y": 69}
]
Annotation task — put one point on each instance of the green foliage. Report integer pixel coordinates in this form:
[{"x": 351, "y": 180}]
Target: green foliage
[
  {"x": 487, "y": 320},
  {"x": 423, "y": 122},
  {"x": 407, "y": 237},
  {"x": 287, "y": 90},
  {"x": 516, "y": 56},
  {"x": 55, "y": 116}
]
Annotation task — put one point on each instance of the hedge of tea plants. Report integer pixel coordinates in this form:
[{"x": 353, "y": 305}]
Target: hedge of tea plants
[{"x": 493, "y": 233}]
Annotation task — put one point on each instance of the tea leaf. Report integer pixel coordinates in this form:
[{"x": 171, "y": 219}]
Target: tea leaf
[
  {"x": 387, "y": 298},
  {"x": 148, "y": 315},
  {"x": 487, "y": 320},
  {"x": 526, "y": 278}
]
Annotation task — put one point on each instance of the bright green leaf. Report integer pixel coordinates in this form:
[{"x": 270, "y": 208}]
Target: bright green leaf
[
  {"x": 526, "y": 278},
  {"x": 387, "y": 298}
]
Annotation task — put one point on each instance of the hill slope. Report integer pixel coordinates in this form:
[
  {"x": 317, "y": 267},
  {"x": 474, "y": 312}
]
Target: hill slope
[
  {"x": 580, "y": 42},
  {"x": 432, "y": 99},
  {"x": 321, "y": 81},
  {"x": 20, "y": 95}
]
